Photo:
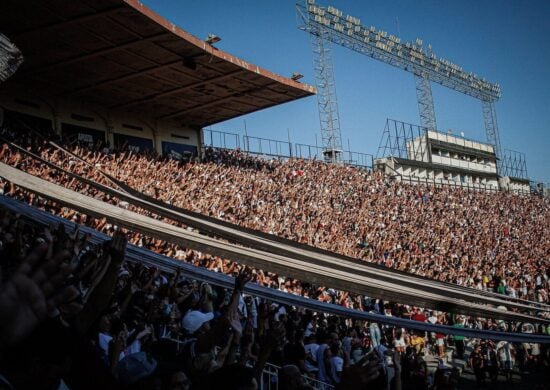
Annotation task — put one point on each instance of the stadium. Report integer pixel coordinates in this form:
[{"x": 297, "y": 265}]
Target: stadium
[{"x": 143, "y": 249}]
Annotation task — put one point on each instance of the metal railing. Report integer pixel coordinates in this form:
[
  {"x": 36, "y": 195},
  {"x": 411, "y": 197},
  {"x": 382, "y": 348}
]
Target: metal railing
[
  {"x": 270, "y": 376},
  {"x": 360, "y": 160},
  {"x": 267, "y": 147},
  {"x": 220, "y": 139},
  {"x": 308, "y": 152},
  {"x": 279, "y": 149},
  {"x": 285, "y": 149}
]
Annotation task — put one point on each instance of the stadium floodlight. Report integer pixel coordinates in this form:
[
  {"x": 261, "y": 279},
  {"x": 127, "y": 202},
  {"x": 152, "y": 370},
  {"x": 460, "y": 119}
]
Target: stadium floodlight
[
  {"x": 10, "y": 58},
  {"x": 426, "y": 66},
  {"x": 211, "y": 39},
  {"x": 296, "y": 76}
]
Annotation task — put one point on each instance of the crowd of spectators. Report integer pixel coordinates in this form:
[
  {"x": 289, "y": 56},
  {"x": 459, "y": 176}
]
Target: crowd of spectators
[
  {"x": 489, "y": 241},
  {"x": 76, "y": 315},
  {"x": 470, "y": 238}
]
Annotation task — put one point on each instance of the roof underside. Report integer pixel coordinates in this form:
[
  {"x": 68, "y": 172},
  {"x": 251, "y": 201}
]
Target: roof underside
[{"x": 118, "y": 54}]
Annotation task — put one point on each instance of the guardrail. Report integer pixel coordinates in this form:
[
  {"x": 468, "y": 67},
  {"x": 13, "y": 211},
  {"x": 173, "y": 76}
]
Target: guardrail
[
  {"x": 270, "y": 375},
  {"x": 309, "y": 152},
  {"x": 279, "y": 149},
  {"x": 220, "y": 139},
  {"x": 267, "y": 147}
]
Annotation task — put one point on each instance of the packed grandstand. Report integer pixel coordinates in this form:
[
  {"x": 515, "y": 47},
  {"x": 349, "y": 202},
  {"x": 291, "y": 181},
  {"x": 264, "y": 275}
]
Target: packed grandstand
[{"x": 210, "y": 272}]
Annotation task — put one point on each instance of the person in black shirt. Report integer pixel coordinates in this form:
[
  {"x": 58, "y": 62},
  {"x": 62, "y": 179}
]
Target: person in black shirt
[
  {"x": 294, "y": 351},
  {"x": 476, "y": 361}
]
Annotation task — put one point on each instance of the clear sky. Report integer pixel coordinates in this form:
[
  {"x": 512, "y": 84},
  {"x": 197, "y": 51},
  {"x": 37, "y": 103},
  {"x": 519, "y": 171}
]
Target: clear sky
[{"x": 505, "y": 41}]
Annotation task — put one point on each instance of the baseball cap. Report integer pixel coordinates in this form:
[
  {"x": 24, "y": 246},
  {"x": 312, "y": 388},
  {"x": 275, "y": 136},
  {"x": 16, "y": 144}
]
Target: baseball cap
[{"x": 194, "y": 319}]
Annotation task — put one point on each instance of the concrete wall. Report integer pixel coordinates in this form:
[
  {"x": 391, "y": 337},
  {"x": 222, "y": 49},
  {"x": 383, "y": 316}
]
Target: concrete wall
[
  {"x": 510, "y": 184},
  {"x": 464, "y": 162},
  {"x": 421, "y": 175},
  {"x": 460, "y": 141},
  {"x": 109, "y": 122},
  {"x": 417, "y": 150}
]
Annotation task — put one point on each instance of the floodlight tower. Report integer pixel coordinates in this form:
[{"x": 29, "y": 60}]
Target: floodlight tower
[
  {"x": 491, "y": 128},
  {"x": 425, "y": 101},
  {"x": 327, "y": 102},
  {"x": 347, "y": 31}
]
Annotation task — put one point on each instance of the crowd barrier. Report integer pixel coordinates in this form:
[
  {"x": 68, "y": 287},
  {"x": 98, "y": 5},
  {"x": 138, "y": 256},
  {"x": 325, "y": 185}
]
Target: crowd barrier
[{"x": 269, "y": 380}]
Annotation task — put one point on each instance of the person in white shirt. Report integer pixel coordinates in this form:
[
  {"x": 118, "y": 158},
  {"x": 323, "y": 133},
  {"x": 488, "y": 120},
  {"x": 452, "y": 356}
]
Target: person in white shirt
[
  {"x": 399, "y": 343},
  {"x": 311, "y": 348},
  {"x": 336, "y": 364},
  {"x": 320, "y": 357},
  {"x": 323, "y": 357},
  {"x": 346, "y": 342},
  {"x": 506, "y": 353}
]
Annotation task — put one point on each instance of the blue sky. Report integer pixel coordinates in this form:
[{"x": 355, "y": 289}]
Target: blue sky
[{"x": 505, "y": 41}]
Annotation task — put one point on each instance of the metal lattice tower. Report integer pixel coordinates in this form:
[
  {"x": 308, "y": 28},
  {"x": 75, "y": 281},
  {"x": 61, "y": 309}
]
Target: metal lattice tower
[
  {"x": 10, "y": 58},
  {"x": 326, "y": 97},
  {"x": 347, "y": 31},
  {"x": 491, "y": 128},
  {"x": 425, "y": 102}
]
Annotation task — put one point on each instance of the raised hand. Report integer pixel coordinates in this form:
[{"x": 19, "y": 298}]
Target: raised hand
[
  {"x": 117, "y": 247},
  {"x": 242, "y": 279},
  {"x": 35, "y": 289}
]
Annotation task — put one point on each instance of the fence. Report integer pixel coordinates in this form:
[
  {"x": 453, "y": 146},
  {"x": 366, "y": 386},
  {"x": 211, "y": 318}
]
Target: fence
[
  {"x": 267, "y": 147},
  {"x": 280, "y": 149},
  {"x": 220, "y": 139},
  {"x": 357, "y": 159},
  {"x": 401, "y": 144},
  {"x": 309, "y": 152},
  {"x": 270, "y": 375}
]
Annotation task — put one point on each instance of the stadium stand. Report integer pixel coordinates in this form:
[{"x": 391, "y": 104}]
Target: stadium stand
[
  {"x": 513, "y": 250},
  {"x": 87, "y": 237},
  {"x": 16, "y": 157}
]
